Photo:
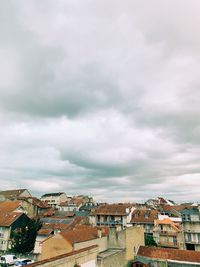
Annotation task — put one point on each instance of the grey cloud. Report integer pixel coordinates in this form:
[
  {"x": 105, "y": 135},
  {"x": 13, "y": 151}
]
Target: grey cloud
[{"x": 100, "y": 96}]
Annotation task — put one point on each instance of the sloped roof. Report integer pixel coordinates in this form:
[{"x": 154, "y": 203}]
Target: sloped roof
[
  {"x": 82, "y": 235},
  {"x": 9, "y": 206},
  {"x": 169, "y": 254},
  {"x": 144, "y": 216},
  {"x": 12, "y": 193},
  {"x": 53, "y": 194},
  {"x": 112, "y": 209},
  {"x": 175, "y": 207},
  {"x": 168, "y": 221},
  {"x": 35, "y": 201},
  {"x": 7, "y": 219}
]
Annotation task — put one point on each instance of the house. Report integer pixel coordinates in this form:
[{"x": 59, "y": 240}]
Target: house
[
  {"x": 9, "y": 221},
  {"x": 54, "y": 199},
  {"x": 14, "y": 194},
  {"x": 167, "y": 233},
  {"x": 34, "y": 206},
  {"x": 191, "y": 228},
  {"x": 165, "y": 257},
  {"x": 30, "y": 206},
  {"x": 159, "y": 201},
  {"x": 68, "y": 241},
  {"x": 112, "y": 215},
  {"x": 12, "y": 206},
  {"x": 146, "y": 218}
]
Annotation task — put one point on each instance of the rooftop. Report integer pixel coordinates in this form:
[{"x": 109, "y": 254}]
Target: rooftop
[{"x": 169, "y": 254}]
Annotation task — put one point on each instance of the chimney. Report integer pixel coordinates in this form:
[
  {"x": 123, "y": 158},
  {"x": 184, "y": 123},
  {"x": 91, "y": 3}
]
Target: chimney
[{"x": 99, "y": 232}]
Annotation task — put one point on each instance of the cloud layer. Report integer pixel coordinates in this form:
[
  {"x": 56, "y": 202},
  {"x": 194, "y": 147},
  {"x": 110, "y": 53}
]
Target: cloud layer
[{"x": 100, "y": 98}]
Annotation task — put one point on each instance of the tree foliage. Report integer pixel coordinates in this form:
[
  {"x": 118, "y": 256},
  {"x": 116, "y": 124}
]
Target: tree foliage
[
  {"x": 149, "y": 241},
  {"x": 23, "y": 238}
]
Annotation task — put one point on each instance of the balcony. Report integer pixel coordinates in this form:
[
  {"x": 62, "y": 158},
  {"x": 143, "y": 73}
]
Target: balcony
[
  {"x": 197, "y": 242},
  {"x": 168, "y": 233},
  {"x": 109, "y": 223}
]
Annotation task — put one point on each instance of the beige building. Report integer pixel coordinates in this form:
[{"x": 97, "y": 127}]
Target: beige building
[
  {"x": 169, "y": 234},
  {"x": 70, "y": 240},
  {"x": 129, "y": 239},
  {"x": 54, "y": 199},
  {"x": 85, "y": 257},
  {"x": 112, "y": 215}
]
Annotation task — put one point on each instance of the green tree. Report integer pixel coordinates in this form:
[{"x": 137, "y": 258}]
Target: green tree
[
  {"x": 23, "y": 238},
  {"x": 149, "y": 241}
]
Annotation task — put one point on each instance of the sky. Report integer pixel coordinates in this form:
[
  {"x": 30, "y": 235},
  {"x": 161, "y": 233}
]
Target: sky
[{"x": 101, "y": 97}]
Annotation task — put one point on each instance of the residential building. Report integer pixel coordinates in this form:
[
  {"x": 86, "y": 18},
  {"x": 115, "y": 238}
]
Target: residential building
[
  {"x": 54, "y": 199},
  {"x": 191, "y": 228},
  {"x": 146, "y": 218},
  {"x": 9, "y": 221},
  {"x": 68, "y": 241},
  {"x": 112, "y": 215},
  {"x": 167, "y": 233}
]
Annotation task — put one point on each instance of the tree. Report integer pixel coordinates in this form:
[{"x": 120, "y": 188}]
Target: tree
[
  {"x": 149, "y": 241},
  {"x": 23, "y": 238}
]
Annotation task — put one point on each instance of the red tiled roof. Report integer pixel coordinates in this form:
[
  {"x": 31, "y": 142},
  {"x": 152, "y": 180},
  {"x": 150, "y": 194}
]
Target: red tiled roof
[
  {"x": 144, "y": 216},
  {"x": 80, "y": 235},
  {"x": 6, "y": 219},
  {"x": 168, "y": 221},
  {"x": 175, "y": 207},
  {"x": 43, "y": 231},
  {"x": 112, "y": 209},
  {"x": 169, "y": 254},
  {"x": 9, "y": 206}
]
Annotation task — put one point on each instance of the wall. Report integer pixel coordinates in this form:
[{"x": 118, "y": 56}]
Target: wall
[
  {"x": 101, "y": 242},
  {"x": 117, "y": 259},
  {"x": 54, "y": 246},
  {"x": 134, "y": 239},
  {"x": 85, "y": 258}
]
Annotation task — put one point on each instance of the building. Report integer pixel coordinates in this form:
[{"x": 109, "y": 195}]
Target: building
[
  {"x": 163, "y": 257},
  {"x": 9, "y": 221},
  {"x": 167, "y": 233},
  {"x": 54, "y": 199},
  {"x": 129, "y": 239},
  {"x": 112, "y": 215},
  {"x": 85, "y": 257},
  {"x": 191, "y": 228},
  {"x": 146, "y": 218},
  {"x": 71, "y": 240}
]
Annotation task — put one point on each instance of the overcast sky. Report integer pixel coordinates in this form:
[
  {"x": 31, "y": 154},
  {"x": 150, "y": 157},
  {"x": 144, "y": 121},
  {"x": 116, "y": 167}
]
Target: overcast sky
[{"x": 101, "y": 97}]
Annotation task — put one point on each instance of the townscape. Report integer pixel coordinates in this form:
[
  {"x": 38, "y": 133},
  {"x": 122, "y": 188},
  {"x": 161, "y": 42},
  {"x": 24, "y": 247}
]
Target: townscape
[{"x": 61, "y": 230}]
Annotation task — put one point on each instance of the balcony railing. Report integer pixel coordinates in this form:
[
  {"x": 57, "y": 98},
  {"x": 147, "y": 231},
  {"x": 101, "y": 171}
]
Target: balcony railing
[
  {"x": 110, "y": 223},
  {"x": 192, "y": 241},
  {"x": 168, "y": 233}
]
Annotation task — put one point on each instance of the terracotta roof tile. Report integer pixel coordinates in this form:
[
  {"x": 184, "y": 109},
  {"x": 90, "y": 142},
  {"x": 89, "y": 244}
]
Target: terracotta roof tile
[
  {"x": 169, "y": 254},
  {"x": 9, "y": 206},
  {"x": 112, "y": 209},
  {"x": 144, "y": 216},
  {"x": 82, "y": 235},
  {"x": 6, "y": 219}
]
